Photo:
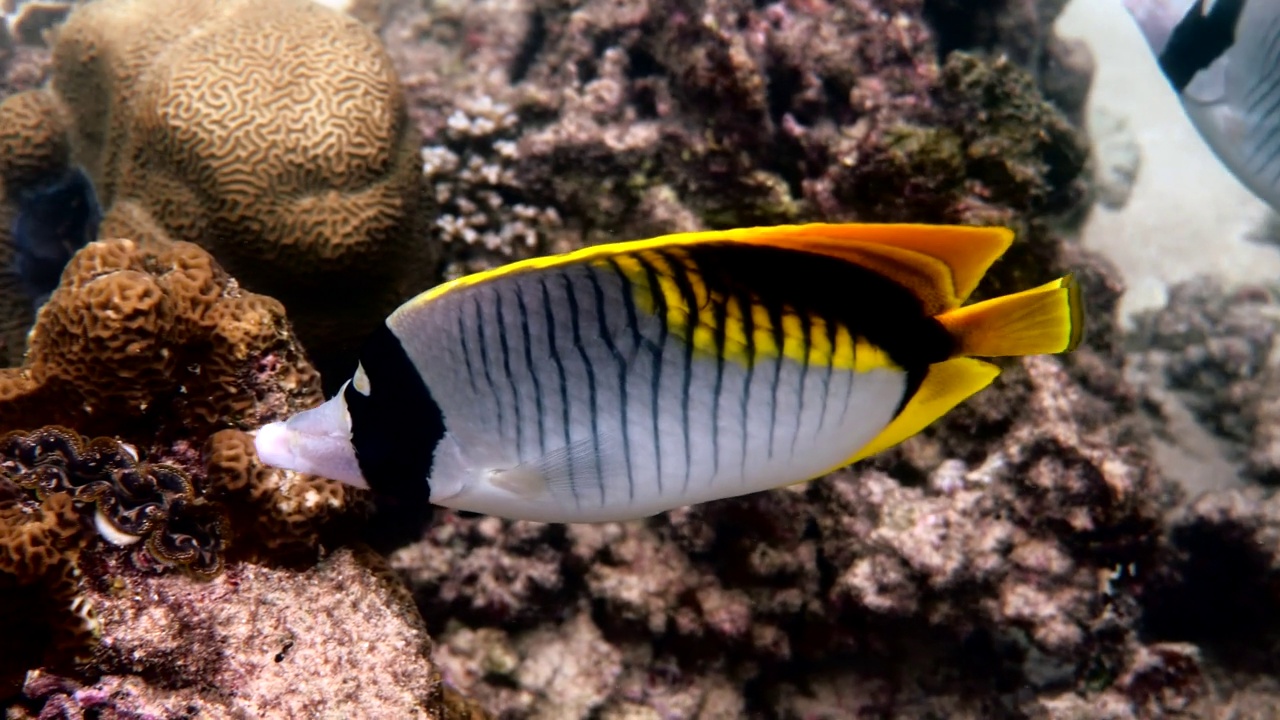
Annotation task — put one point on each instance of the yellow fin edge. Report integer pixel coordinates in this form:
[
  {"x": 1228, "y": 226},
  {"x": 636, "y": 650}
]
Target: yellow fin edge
[
  {"x": 948, "y": 384},
  {"x": 952, "y": 258}
]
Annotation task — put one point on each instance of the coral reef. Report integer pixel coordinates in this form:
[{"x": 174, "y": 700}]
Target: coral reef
[
  {"x": 150, "y": 341},
  {"x": 315, "y": 185},
  {"x": 1022, "y": 30},
  {"x": 656, "y": 116},
  {"x": 341, "y": 638},
  {"x": 153, "y": 341}
]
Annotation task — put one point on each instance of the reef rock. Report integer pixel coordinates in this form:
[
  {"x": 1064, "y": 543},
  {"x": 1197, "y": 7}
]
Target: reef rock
[
  {"x": 549, "y": 126},
  {"x": 339, "y": 639},
  {"x": 1002, "y": 576}
]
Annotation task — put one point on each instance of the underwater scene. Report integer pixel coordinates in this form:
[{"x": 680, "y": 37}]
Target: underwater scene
[{"x": 639, "y": 359}]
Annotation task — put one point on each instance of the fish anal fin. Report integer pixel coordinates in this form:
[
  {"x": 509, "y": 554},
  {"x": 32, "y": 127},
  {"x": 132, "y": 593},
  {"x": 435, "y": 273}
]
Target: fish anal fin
[
  {"x": 947, "y": 385},
  {"x": 942, "y": 263}
]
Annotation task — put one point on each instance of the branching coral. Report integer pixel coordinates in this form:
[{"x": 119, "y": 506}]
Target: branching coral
[{"x": 313, "y": 183}]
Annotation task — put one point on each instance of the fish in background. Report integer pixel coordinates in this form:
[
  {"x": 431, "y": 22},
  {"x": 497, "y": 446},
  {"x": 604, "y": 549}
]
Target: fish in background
[
  {"x": 51, "y": 224},
  {"x": 626, "y": 379},
  {"x": 1223, "y": 59}
]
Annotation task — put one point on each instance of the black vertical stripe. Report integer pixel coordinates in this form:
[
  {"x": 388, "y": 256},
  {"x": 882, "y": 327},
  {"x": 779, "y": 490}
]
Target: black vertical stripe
[
  {"x": 655, "y": 383},
  {"x": 607, "y": 335},
  {"x": 679, "y": 274},
  {"x": 575, "y": 323},
  {"x": 806, "y": 344},
  {"x": 832, "y": 329},
  {"x": 504, "y": 347},
  {"x": 720, "y": 313},
  {"x": 533, "y": 369},
  {"x": 396, "y": 427},
  {"x": 550, "y": 318},
  {"x": 466, "y": 352},
  {"x": 484, "y": 359},
  {"x": 776, "y": 313},
  {"x": 746, "y": 304},
  {"x": 629, "y": 305}
]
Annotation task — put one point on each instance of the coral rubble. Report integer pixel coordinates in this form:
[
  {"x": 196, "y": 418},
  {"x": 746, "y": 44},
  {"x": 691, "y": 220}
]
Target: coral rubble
[{"x": 1007, "y": 570}]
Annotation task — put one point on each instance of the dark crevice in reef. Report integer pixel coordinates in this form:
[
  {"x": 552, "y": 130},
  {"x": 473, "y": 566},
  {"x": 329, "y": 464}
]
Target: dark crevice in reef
[
  {"x": 1221, "y": 594},
  {"x": 534, "y": 40}
]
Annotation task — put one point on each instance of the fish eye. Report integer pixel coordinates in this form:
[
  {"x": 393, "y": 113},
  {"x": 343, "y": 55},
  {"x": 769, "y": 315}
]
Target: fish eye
[{"x": 361, "y": 381}]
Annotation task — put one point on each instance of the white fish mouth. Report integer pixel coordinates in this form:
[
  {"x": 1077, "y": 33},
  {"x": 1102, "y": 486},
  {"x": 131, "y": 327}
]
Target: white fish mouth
[{"x": 317, "y": 441}]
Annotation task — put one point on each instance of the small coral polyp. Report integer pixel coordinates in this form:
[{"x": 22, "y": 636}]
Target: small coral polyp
[{"x": 130, "y": 500}]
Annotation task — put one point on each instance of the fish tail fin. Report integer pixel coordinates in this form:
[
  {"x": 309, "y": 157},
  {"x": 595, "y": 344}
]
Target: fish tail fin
[{"x": 1044, "y": 320}]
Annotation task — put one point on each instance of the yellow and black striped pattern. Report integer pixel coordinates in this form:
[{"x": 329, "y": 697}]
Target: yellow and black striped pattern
[{"x": 738, "y": 327}]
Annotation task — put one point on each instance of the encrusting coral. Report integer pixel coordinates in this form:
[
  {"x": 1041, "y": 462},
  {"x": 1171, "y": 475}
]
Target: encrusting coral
[{"x": 311, "y": 191}]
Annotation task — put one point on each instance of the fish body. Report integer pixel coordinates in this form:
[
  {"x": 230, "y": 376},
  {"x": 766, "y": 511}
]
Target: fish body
[
  {"x": 624, "y": 380},
  {"x": 1223, "y": 59}
]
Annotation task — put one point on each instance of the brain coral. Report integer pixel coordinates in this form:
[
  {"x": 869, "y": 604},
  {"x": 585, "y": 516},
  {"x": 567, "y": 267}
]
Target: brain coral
[
  {"x": 152, "y": 341},
  {"x": 274, "y": 134}
]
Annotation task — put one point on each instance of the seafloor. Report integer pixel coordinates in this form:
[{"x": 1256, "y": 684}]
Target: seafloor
[{"x": 1093, "y": 537}]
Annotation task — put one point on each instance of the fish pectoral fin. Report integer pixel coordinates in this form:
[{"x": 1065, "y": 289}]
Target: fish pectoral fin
[
  {"x": 947, "y": 385},
  {"x": 522, "y": 481},
  {"x": 942, "y": 264},
  {"x": 569, "y": 473}
]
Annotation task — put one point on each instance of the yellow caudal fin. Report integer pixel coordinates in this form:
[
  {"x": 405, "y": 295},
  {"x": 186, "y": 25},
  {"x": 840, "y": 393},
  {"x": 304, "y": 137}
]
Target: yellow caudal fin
[
  {"x": 948, "y": 384},
  {"x": 1043, "y": 320},
  {"x": 940, "y": 264}
]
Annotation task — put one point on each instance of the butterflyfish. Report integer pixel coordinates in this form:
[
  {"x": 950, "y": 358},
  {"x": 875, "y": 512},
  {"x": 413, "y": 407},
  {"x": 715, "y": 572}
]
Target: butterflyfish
[
  {"x": 1222, "y": 57},
  {"x": 626, "y": 379}
]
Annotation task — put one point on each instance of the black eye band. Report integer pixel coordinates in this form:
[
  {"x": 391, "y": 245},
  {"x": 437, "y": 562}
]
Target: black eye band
[{"x": 396, "y": 427}]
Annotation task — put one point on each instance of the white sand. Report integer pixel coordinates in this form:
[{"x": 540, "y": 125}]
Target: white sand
[{"x": 1187, "y": 215}]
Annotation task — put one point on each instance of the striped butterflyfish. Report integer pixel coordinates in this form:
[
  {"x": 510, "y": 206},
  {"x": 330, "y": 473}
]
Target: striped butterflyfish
[{"x": 626, "y": 379}]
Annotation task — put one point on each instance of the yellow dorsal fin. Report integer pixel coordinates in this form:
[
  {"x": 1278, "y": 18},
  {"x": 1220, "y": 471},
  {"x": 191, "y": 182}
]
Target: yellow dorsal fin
[
  {"x": 942, "y": 264},
  {"x": 948, "y": 384}
]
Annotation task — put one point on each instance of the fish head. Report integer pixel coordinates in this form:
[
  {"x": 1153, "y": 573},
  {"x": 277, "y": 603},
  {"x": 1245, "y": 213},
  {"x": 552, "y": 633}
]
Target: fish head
[{"x": 315, "y": 441}]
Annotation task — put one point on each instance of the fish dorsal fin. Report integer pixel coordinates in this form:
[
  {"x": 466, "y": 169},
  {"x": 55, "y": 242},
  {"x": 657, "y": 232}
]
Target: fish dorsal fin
[{"x": 942, "y": 264}]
